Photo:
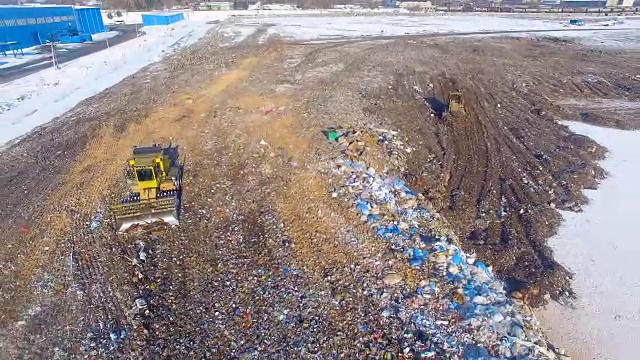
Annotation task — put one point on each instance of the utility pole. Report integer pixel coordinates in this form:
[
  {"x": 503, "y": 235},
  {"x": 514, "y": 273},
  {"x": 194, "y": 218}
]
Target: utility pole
[{"x": 53, "y": 56}]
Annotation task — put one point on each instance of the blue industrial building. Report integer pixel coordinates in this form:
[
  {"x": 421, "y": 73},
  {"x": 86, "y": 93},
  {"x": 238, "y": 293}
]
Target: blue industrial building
[
  {"x": 584, "y": 3},
  {"x": 389, "y": 3},
  {"x": 88, "y": 20},
  {"x": 26, "y": 26},
  {"x": 161, "y": 18}
]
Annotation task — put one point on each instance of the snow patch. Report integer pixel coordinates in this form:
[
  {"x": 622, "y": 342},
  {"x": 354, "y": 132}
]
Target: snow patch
[
  {"x": 238, "y": 33},
  {"x": 21, "y": 58},
  {"x": 38, "y": 98},
  {"x": 324, "y": 28},
  {"x": 105, "y": 35},
  {"x": 600, "y": 246}
]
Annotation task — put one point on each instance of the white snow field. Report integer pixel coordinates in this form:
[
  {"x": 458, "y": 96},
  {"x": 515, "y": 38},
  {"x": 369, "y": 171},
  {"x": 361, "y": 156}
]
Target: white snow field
[
  {"x": 600, "y": 245},
  {"x": 310, "y": 28}
]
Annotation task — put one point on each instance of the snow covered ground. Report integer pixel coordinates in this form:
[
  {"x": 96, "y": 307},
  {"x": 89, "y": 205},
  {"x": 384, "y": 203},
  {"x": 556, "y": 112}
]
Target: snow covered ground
[
  {"x": 308, "y": 28},
  {"x": 32, "y": 53},
  {"x": 37, "y": 99},
  {"x": 622, "y": 37},
  {"x": 601, "y": 246},
  {"x": 21, "y": 58},
  {"x": 127, "y": 17},
  {"x": 104, "y": 35},
  {"x": 313, "y": 28}
]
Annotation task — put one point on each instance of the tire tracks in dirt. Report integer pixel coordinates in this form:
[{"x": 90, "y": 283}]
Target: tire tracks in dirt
[{"x": 508, "y": 164}]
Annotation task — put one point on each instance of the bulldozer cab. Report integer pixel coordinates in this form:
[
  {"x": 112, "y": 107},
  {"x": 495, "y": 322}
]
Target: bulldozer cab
[
  {"x": 145, "y": 177},
  {"x": 148, "y": 166}
]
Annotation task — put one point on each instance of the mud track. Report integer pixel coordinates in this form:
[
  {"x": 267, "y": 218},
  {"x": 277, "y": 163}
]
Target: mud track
[{"x": 498, "y": 174}]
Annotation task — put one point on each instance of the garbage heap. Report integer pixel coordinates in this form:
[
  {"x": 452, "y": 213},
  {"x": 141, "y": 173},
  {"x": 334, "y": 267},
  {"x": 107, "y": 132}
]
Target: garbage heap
[
  {"x": 106, "y": 338},
  {"x": 454, "y": 307}
]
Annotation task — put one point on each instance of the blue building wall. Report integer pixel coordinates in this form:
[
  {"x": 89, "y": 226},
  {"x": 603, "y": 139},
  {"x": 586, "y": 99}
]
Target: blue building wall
[
  {"x": 30, "y": 26},
  {"x": 584, "y": 4},
  {"x": 152, "y": 19},
  {"x": 389, "y": 3},
  {"x": 89, "y": 20}
]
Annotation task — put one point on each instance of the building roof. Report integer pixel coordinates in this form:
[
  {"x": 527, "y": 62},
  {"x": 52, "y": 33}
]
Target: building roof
[{"x": 162, "y": 13}]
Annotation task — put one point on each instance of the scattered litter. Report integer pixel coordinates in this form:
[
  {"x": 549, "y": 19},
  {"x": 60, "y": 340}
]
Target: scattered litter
[
  {"x": 455, "y": 308},
  {"x": 142, "y": 254},
  {"x": 577, "y": 22},
  {"x": 141, "y": 303},
  {"x": 96, "y": 222},
  {"x": 392, "y": 279},
  {"x": 332, "y": 133}
]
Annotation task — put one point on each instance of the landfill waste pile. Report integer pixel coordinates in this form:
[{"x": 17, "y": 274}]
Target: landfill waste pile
[
  {"x": 405, "y": 291},
  {"x": 450, "y": 303},
  {"x": 105, "y": 338}
]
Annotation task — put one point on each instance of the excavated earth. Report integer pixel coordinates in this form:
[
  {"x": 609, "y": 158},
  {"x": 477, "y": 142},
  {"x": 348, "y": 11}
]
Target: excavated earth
[{"x": 248, "y": 118}]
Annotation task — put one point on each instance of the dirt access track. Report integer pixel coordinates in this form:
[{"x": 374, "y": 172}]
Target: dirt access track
[{"x": 248, "y": 118}]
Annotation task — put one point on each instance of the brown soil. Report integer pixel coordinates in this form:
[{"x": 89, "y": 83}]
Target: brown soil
[
  {"x": 500, "y": 172},
  {"x": 250, "y": 207}
]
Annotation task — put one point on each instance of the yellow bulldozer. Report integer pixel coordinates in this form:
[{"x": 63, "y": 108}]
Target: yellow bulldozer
[
  {"x": 154, "y": 175},
  {"x": 456, "y": 104}
]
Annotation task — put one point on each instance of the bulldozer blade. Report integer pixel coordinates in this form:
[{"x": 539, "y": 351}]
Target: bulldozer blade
[
  {"x": 135, "y": 215},
  {"x": 125, "y": 225}
]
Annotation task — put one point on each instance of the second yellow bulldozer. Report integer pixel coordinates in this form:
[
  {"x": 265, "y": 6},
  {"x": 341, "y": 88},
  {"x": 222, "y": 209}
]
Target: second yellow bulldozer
[
  {"x": 154, "y": 175},
  {"x": 456, "y": 104}
]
